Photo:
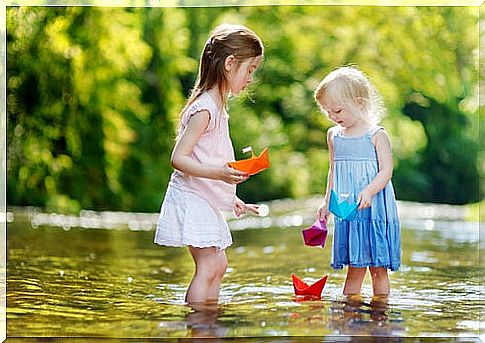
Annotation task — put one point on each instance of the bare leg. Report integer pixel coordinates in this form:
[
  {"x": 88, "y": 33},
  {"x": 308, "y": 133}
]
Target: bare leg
[
  {"x": 354, "y": 279},
  {"x": 213, "y": 293},
  {"x": 380, "y": 281},
  {"x": 206, "y": 268},
  {"x": 202, "y": 321},
  {"x": 379, "y": 306},
  {"x": 204, "y": 313}
]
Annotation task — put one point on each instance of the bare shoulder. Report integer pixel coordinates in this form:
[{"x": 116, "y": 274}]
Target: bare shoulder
[
  {"x": 199, "y": 120},
  {"x": 331, "y": 132},
  {"x": 381, "y": 137}
]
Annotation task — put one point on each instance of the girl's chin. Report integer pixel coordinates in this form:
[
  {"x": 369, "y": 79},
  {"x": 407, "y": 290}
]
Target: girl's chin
[{"x": 242, "y": 89}]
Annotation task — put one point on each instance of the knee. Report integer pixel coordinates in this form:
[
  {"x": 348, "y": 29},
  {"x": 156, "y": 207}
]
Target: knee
[
  {"x": 354, "y": 273},
  {"x": 215, "y": 269},
  {"x": 222, "y": 267},
  {"x": 378, "y": 272},
  {"x": 208, "y": 270}
]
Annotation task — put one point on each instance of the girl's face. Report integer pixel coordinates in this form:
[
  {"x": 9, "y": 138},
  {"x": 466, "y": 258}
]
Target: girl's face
[
  {"x": 241, "y": 75},
  {"x": 341, "y": 115}
]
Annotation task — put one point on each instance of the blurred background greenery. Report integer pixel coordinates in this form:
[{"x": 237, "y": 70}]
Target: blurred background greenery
[{"x": 93, "y": 99}]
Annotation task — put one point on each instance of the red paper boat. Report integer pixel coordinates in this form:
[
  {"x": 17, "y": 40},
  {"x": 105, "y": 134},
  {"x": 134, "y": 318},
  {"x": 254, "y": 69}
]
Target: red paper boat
[
  {"x": 301, "y": 288},
  {"x": 254, "y": 164}
]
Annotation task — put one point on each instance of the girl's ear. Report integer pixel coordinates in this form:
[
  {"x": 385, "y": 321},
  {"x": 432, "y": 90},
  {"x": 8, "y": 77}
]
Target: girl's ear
[
  {"x": 361, "y": 101},
  {"x": 229, "y": 62}
]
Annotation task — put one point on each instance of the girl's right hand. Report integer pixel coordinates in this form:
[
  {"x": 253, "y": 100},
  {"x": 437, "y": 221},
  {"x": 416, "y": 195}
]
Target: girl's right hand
[
  {"x": 232, "y": 176},
  {"x": 323, "y": 212}
]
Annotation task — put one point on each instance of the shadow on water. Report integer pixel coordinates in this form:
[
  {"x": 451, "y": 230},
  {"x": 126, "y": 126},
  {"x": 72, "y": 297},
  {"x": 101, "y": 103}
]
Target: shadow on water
[{"x": 67, "y": 281}]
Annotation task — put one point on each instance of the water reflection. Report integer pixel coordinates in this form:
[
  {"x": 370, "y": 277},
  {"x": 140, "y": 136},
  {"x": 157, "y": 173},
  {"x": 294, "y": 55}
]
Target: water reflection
[
  {"x": 202, "y": 321},
  {"x": 117, "y": 283},
  {"x": 314, "y": 314},
  {"x": 354, "y": 317}
]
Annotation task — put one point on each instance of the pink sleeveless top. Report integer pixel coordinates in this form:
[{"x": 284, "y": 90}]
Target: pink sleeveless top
[{"x": 213, "y": 148}]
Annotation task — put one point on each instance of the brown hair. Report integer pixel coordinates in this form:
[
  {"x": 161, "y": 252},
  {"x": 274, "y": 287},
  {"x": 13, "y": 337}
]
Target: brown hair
[{"x": 225, "y": 40}]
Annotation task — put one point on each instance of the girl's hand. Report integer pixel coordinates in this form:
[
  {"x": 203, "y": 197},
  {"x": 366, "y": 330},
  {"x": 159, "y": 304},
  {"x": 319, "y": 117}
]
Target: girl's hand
[
  {"x": 240, "y": 207},
  {"x": 231, "y": 175},
  {"x": 323, "y": 212},
  {"x": 364, "y": 199}
]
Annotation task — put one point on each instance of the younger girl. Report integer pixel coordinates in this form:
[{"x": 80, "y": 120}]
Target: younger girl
[
  {"x": 360, "y": 169},
  {"x": 203, "y": 184}
]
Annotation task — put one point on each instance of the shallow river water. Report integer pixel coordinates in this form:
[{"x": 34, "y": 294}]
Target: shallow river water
[{"x": 114, "y": 282}]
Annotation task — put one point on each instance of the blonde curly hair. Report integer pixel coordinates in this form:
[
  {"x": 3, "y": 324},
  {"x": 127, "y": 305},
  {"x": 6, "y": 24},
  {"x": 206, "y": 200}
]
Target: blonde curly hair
[{"x": 351, "y": 88}]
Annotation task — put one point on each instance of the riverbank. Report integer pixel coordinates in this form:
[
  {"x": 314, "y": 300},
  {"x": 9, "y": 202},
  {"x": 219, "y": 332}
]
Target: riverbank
[{"x": 282, "y": 213}]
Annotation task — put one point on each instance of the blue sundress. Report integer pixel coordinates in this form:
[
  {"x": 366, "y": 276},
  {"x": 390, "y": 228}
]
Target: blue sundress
[{"x": 373, "y": 237}]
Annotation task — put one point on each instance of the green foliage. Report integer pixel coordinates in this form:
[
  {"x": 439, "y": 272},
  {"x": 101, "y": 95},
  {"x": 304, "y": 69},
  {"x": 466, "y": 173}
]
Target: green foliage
[
  {"x": 91, "y": 90},
  {"x": 94, "y": 93},
  {"x": 444, "y": 163},
  {"x": 146, "y": 169}
]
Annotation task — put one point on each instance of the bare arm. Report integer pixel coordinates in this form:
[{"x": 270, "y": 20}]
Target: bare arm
[
  {"x": 384, "y": 157},
  {"x": 330, "y": 166},
  {"x": 322, "y": 211},
  {"x": 181, "y": 159}
]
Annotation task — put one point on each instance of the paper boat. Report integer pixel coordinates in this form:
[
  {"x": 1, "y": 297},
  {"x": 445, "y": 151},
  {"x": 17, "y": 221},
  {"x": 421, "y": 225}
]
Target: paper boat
[
  {"x": 316, "y": 234},
  {"x": 315, "y": 290},
  {"x": 254, "y": 164},
  {"x": 344, "y": 209}
]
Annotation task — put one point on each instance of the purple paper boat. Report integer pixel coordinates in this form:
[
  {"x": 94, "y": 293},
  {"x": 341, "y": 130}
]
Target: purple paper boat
[{"x": 316, "y": 234}]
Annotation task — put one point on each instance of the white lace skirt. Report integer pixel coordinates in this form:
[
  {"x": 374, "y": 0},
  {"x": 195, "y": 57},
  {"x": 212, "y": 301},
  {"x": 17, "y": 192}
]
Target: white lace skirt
[{"x": 187, "y": 219}]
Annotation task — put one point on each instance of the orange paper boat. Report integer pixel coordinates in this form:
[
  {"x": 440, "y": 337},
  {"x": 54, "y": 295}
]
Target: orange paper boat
[
  {"x": 301, "y": 288},
  {"x": 254, "y": 164}
]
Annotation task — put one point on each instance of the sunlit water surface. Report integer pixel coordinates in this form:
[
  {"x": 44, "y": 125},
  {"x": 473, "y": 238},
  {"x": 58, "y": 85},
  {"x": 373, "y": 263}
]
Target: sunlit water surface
[{"x": 117, "y": 283}]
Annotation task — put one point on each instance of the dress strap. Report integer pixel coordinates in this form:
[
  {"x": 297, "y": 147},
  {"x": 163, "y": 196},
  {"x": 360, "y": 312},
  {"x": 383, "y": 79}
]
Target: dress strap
[
  {"x": 338, "y": 130},
  {"x": 373, "y": 130},
  {"x": 335, "y": 131}
]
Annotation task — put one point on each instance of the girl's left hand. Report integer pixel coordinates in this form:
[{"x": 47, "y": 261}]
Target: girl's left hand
[
  {"x": 240, "y": 207},
  {"x": 364, "y": 199}
]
